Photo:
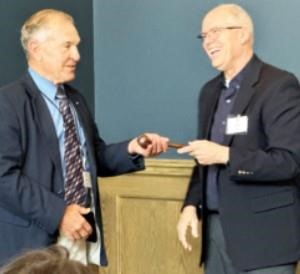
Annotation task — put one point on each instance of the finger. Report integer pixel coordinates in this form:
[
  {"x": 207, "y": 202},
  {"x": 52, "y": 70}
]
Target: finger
[
  {"x": 182, "y": 236},
  {"x": 87, "y": 228},
  {"x": 185, "y": 243},
  {"x": 155, "y": 147},
  {"x": 194, "y": 154},
  {"x": 148, "y": 151},
  {"x": 195, "y": 230},
  {"x": 75, "y": 236},
  {"x": 159, "y": 143},
  {"x": 82, "y": 229},
  {"x": 67, "y": 234},
  {"x": 70, "y": 237},
  {"x": 165, "y": 143},
  {"x": 185, "y": 149},
  {"x": 160, "y": 147},
  {"x": 182, "y": 239},
  {"x": 84, "y": 210},
  {"x": 83, "y": 234}
]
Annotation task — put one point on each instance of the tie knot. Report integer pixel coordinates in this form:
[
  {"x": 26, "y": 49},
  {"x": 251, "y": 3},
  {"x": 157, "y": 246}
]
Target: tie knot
[{"x": 60, "y": 93}]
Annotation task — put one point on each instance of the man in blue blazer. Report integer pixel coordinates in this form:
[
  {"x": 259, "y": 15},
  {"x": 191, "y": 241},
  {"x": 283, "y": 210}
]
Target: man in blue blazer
[
  {"x": 246, "y": 185},
  {"x": 33, "y": 209}
]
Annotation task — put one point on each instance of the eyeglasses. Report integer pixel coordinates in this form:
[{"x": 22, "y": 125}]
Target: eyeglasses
[{"x": 215, "y": 32}]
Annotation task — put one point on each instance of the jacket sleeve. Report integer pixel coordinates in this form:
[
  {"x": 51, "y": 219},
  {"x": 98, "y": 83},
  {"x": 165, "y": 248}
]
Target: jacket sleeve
[
  {"x": 114, "y": 159},
  {"x": 111, "y": 159},
  {"x": 194, "y": 191},
  {"x": 279, "y": 160}
]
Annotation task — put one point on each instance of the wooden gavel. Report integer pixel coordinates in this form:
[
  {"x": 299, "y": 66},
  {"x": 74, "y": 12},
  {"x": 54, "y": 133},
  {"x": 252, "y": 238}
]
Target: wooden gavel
[{"x": 144, "y": 141}]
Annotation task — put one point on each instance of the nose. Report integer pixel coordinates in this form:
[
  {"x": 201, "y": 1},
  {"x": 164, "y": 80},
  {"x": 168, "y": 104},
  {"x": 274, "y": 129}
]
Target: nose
[
  {"x": 205, "y": 43},
  {"x": 208, "y": 38},
  {"x": 76, "y": 54}
]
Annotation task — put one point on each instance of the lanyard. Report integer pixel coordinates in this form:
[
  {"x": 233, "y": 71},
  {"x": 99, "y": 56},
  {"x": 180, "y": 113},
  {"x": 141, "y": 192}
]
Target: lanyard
[
  {"x": 77, "y": 128},
  {"x": 83, "y": 151}
]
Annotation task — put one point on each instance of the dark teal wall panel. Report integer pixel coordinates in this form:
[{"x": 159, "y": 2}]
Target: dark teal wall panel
[
  {"x": 13, "y": 15},
  {"x": 149, "y": 66}
]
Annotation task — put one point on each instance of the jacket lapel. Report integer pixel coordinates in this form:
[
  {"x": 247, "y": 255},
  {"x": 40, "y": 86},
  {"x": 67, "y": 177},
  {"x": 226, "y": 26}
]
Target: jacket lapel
[
  {"x": 84, "y": 123},
  {"x": 246, "y": 92},
  {"x": 43, "y": 120}
]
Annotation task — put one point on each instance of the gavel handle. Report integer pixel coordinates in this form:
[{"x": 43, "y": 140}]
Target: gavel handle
[
  {"x": 144, "y": 141},
  {"x": 175, "y": 145}
]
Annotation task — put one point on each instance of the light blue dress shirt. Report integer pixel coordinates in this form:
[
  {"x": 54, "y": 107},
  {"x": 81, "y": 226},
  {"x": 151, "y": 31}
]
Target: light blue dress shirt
[
  {"x": 79, "y": 250},
  {"x": 48, "y": 91}
]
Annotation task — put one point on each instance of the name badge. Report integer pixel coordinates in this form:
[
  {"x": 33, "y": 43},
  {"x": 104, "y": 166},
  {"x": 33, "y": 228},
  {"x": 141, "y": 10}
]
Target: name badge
[
  {"x": 237, "y": 125},
  {"x": 87, "y": 179}
]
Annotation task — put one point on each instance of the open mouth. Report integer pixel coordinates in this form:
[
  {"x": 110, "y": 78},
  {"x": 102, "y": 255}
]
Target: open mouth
[{"x": 214, "y": 52}]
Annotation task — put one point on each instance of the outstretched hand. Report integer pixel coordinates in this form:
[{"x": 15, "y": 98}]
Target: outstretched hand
[
  {"x": 206, "y": 152},
  {"x": 156, "y": 144}
]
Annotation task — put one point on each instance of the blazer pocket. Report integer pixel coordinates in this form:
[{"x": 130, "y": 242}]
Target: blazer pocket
[
  {"x": 7, "y": 217},
  {"x": 272, "y": 201}
]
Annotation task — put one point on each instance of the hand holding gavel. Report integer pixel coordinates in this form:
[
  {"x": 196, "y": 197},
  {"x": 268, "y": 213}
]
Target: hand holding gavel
[{"x": 144, "y": 142}]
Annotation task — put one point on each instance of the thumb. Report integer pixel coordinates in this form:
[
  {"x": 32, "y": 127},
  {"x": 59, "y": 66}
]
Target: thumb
[{"x": 84, "y": 210}]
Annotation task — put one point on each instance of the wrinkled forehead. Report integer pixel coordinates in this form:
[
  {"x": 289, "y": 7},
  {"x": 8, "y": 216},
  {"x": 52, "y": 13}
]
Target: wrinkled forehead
[
  {"x": 61, "y": 28},
  {"x": 59, "y": 23},
  {"x": 218, "y": 18}
]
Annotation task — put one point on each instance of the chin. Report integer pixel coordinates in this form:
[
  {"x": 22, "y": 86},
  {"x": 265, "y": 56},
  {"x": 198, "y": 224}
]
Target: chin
[
  {"x": 69, "y": 78},
  {"x": 217, "y": 66}
]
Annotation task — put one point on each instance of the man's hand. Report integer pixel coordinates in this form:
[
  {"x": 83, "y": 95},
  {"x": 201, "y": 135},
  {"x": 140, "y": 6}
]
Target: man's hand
[
  {"x": 188, "y": 218},
  {"x": 73, "y": 225},
  {"x": 157, "y": 144},
  {"x": 206, "y": 152}
]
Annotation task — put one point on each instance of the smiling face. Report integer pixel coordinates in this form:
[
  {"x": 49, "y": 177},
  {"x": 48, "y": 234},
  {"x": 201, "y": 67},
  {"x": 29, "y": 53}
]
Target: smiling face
[
  {"x": 53, "y": 52},
  {"x": 227, "y": 41}
]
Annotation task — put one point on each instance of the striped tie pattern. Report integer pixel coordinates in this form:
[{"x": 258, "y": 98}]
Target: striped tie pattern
[{"x": 75, "y": 192}]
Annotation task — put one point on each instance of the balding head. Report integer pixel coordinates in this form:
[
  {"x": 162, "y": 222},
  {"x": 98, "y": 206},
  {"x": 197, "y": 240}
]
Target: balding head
[
  {"x": 36, "y": 26},
  {"x": 231, "y": 14},
  {"x": 50, "y": 40},
  {"x": 227, "y": 36}
]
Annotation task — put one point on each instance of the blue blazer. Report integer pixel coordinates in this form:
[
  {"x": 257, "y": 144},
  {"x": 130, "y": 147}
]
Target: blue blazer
[
  {"x": 259, "y": 190},
  {"x": 31, "y": 181}
]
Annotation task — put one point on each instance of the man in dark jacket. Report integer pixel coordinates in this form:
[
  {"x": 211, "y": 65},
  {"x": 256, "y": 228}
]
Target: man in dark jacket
[
  {"x": 246, "y": 184},
  {"x": 50, "y": 150}
]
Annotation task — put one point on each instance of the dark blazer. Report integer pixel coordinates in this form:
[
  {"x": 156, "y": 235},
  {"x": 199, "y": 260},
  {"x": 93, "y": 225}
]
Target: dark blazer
[
  {"x": 31, "y": 182},
  {"x": 259, "y": 190}
]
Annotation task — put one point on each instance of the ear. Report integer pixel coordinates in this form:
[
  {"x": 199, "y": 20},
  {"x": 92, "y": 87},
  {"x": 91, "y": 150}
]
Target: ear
[
  {"x": 34, "y": 49},
  {"x": 244, "y": 35}
]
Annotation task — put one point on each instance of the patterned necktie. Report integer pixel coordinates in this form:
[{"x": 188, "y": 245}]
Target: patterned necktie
[{"x": 75, "y": 192}]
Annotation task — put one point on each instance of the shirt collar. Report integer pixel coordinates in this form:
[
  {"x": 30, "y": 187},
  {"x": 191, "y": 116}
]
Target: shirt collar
[
  {"x": 47, "y": 87},
  {"x": 237, "y": 80}
]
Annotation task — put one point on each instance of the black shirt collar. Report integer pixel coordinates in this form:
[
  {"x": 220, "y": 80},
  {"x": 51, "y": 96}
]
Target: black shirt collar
[{"x": 237, "y": 80}]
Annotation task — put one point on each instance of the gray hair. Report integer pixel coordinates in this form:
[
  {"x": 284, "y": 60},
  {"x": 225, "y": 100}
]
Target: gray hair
[{"x": 36, "y": 24}]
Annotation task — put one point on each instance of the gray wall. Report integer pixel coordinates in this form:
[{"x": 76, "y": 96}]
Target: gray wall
[
  {"x": 13, "y": 15},
  {"x": 149, "y": 66}
]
